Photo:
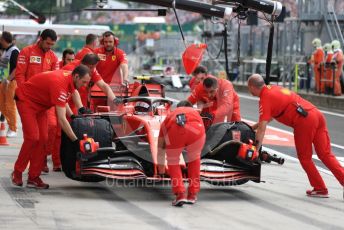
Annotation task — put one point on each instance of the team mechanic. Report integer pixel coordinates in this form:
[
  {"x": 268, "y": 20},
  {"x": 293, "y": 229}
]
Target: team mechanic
[
  {"x": 309, "y": 128},
  {"x": 198, "y": 75},
  {"x": 91, "y": 60},
  {"x": 37, "y": 58},
  {"x": 91, "y": 44},
  {"x": 113, "y": 64},
  {"x": 54, "y": 129},
  {"x": 218, "y": 100},
  {"x": 182, "y": 129},
  {"x": 34, "y": 59},
  {"x": 68, "y": 56},
  {"x": 34, "y": 98}
]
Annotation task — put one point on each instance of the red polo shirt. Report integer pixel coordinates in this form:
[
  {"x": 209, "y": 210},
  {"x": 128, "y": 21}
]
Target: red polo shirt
[
  {"x": 109, "y": 63},
  {"x": 32, "y": 60},
  {"x": 280, "y": 103},
  {"x": 95, "y": 76},
  {"x": 47, "y": 89},
  {"x": 85, "y": 50},
  {"x": 221, "y": 105},
  {"x": 83, "y": 91},
  {"x": 192, "y": 118}
]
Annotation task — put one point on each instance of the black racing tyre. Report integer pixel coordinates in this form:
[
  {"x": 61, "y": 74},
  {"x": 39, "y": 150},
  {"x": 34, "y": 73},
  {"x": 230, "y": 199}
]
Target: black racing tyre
[
  {"x": 223, "y": 132},
  {"x": 99, "y": 129},
  {"x": 68, "y": 162}
]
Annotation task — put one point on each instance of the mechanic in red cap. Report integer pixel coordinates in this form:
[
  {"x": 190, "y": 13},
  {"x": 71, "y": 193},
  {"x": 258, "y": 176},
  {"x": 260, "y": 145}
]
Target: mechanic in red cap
[
  {"x": 37, "y": 58},
  {"x": 309, "y": 129},
  {"x": 68, "y": 56},
  {"x": 34, "y": 98},
  {"x": 217, "y": 99},
  {"x": 113, "y": 64},
  {"x": 90, "y": 60},
  {"x": 182, "y": 129},
  {"x": 91, "y": 43}
]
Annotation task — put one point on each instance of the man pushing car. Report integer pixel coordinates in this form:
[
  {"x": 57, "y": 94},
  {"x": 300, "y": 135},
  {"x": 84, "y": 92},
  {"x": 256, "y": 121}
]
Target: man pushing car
[{"x": 34, "y": 97}]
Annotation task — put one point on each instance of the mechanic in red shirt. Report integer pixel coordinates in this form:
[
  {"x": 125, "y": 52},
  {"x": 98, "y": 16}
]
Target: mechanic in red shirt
[
  {"x": 90, "y": 60},
  {"x": 34, "y": 98},
  {"x": 113, "y": 64},
  {"x": 54, "y": 129},
  {"x": 198, "y": 75},
  {"x": 217, "y": 99},
  {"x": 182, "y": 129},
  {"x": 91, "y": 43},
  {"x": 68, "y": 56},
  {"x": 309, "y": 129},
  {"x": 37, "y": 58}
]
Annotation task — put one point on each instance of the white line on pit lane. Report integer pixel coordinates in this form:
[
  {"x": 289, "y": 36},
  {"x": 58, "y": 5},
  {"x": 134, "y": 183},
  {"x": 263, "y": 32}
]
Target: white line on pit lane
[
  {"x": 323, "y": 111},
  {"x": 340, "y": 159},
  {"x": 285, "y": 156},
  {"x": 288, "y": 132}
]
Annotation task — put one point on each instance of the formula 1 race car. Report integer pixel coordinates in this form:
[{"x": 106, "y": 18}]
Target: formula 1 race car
[{"x": 127, "y": 138}]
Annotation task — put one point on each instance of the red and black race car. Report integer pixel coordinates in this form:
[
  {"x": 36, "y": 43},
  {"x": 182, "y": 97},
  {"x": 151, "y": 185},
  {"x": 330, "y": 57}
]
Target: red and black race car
[{"x": 128, "y": 134}]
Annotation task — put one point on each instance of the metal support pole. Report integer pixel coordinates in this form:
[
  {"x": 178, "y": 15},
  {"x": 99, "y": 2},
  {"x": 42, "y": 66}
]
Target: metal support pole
[
  {"x": 308, "y": 77},
  {"x": 296, "y": 77},
  {"x": 319, "y": 81},
  {"x": 333, "y": 77}
]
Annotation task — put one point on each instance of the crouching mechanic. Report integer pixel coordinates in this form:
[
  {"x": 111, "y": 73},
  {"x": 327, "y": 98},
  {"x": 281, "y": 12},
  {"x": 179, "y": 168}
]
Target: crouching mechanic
[
  {"x": 217, "y": 100},
  {"x": 182, "y": 129},
  {"x": 309, "y": 129},
  {"x": 34, "y": 98}
]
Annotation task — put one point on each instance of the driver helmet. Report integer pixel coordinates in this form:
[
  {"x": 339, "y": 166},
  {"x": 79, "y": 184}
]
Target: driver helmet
[{"x": 141, "y": 107}]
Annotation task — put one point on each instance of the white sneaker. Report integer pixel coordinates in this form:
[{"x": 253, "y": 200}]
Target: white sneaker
[{"x": 11, "y": 133}]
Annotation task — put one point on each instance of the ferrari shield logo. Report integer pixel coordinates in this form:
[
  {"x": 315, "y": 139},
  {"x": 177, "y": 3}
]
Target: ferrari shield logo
[
  {"x": 113, "y": 57},
  {"x": 48, "y": 61}
]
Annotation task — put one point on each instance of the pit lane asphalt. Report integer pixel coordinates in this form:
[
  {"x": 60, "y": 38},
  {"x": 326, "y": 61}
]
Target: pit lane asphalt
[{"x": 280, "y": 202}]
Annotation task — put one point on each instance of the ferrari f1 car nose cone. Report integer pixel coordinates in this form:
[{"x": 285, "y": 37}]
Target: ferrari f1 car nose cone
[{"x": 192, "y": 56}]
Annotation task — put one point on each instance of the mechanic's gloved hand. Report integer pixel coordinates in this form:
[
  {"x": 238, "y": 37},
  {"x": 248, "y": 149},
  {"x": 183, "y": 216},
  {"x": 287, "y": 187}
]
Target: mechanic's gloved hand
[
  {"x": 125, "y": 82},
  {"x": 207, "y": 115},
  {"x": 84, "y": 110},
  {"x": 117, "y": 101},
  {"x": 73, "y": 116},
  {"x": 76, "y": 146}
]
